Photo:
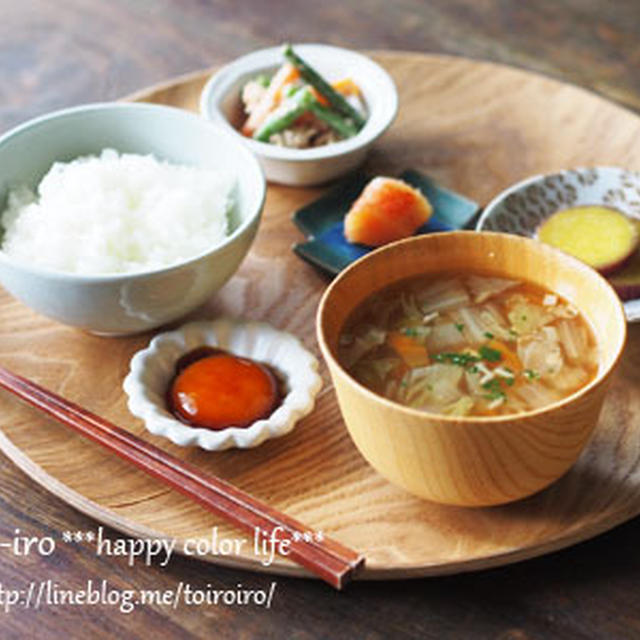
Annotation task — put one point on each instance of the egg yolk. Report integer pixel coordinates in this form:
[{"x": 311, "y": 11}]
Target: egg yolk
[{"x": 223, "y": 390}]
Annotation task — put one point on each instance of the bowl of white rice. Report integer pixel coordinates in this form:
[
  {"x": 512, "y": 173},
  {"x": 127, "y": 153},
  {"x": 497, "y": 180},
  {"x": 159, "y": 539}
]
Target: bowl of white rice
[{"x": 117, "y": 218}]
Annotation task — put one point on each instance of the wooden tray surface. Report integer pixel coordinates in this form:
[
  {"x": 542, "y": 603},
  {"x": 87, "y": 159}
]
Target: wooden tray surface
[{"x": 477, "y": 128}]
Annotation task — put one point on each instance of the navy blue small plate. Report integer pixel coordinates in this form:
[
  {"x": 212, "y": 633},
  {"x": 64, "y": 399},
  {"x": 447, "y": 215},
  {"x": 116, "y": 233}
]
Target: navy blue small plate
[{"x": 322, "y": 221}]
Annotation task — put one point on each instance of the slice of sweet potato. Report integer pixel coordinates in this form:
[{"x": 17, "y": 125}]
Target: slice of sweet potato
[
  {"x": 626, "y": 281},
  {"x": 388, "y": 209},
  {"x": 602, "y": 237}
]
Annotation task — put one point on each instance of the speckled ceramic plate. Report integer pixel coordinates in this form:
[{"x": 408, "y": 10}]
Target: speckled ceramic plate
[{"x": 522, "y": 208}]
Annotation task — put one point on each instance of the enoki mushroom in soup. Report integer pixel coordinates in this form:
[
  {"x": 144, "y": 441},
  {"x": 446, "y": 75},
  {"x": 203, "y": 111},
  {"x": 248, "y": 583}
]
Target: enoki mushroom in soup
[{"x": 463, "y": 344}]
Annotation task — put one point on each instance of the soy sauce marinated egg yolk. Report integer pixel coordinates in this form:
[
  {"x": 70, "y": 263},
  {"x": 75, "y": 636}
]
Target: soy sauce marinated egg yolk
[{"x": 222, "y": 391}]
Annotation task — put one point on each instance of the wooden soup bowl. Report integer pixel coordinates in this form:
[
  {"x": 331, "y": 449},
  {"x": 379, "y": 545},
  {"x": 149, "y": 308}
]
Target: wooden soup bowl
[{"x": 472, "y": 461}]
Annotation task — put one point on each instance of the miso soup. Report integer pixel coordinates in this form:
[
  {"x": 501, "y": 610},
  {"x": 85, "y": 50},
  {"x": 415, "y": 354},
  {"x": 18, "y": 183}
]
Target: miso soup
[{"x": 475, "y": 345}]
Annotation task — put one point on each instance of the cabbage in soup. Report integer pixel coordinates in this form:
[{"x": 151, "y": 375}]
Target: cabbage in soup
[{"x": 469, "y": 345}]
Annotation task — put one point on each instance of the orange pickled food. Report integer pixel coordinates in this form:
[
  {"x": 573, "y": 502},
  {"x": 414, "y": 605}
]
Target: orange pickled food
[
  {"x": 223, "y": 390},
  {"x": 388, "y": 209}
]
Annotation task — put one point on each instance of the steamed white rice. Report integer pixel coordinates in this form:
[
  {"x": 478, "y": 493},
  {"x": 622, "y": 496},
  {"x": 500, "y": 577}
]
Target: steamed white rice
[{"x": 116, "y": 213}]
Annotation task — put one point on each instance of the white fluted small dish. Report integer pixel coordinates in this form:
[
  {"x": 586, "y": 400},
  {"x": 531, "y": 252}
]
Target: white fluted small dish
[{"x": 153, "y": 368}]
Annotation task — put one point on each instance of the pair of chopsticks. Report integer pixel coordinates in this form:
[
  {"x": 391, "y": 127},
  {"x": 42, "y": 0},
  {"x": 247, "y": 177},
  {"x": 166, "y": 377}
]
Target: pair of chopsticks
[{"x": 327, "y": 558}]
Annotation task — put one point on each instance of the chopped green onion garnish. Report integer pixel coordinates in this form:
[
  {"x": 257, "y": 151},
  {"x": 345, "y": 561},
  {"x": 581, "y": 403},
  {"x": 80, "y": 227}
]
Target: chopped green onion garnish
[
  {"x": 489, "y": 354},
  {"x": 461, "y": 359},
  {"x": 416, "y": 332},
  {"x": 494, "y": 389}
]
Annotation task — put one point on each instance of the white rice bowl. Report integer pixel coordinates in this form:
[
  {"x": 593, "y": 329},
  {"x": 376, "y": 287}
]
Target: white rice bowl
[{"x": 113, "y": 213}]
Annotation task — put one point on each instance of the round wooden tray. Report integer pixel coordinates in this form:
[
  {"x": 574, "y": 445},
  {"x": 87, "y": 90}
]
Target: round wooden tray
[{"x": 473, "y": 126}]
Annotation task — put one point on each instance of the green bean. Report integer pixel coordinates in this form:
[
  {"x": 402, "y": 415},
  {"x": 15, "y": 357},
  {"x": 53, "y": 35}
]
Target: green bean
[
  {"x": 342, "y": 126},
  {"x": 292, "y": 109},
  {"x": 336, "y": 100},
  {"x": 263, "y": 80}
]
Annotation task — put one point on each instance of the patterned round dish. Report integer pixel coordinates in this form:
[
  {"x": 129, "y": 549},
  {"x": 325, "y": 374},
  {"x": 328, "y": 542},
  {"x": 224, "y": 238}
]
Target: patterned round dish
[
  {"x": 523, "y": 207},
  {"x": 152, "y": 370}
]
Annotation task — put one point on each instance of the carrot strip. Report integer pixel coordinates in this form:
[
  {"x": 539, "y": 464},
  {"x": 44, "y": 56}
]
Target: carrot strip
[
  {"x": 272, "y": 97},
  {"x": 347, "y": 87},
  {"x": 412, "y": 352},
  {"x": 319, "y": 97},
  {"x": 509, "y": 357},
  {"x": 488, "y": 413}
]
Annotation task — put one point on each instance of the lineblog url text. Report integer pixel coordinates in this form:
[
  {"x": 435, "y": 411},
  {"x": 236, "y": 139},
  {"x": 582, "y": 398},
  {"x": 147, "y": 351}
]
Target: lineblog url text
[{"x": 49, "y": 593}]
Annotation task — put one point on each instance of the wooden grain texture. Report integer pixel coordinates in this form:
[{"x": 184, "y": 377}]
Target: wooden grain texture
[
  {"x": 83, "y": 50},
  {"x": 324, "y": 558},
  {"x": 59, "y": 54},
  {"x": 473, "y": 461},
  {"x": 316, "y": 474}
]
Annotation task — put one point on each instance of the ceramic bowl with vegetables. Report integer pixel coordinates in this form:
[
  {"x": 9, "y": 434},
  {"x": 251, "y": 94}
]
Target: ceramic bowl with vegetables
[
  {"x": 591, "y": 213},
  {"x": 309, "y": 112}
]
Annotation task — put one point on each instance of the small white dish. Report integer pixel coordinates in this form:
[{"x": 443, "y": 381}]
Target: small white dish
[
  {"x": 524, "y": 206},
  {"x": 220, "y": 102},
  {"x": 153, "y": 368}
]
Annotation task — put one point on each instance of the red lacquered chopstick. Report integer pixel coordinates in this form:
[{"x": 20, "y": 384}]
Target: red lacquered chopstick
[{"x": 326, "y": 558}]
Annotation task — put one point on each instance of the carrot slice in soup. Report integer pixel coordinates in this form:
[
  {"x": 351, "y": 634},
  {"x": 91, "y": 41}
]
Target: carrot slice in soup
[
  {"x": 509, "y": 357},
  {"x": 412, "y": 352}
]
